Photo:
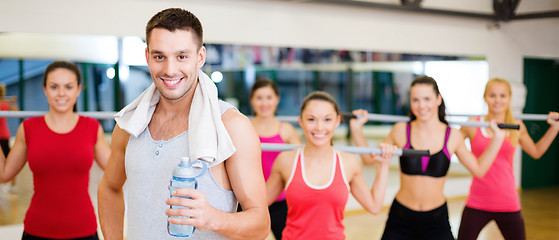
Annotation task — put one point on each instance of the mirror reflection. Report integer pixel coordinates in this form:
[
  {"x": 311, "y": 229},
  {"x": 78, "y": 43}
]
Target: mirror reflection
[{"x": 375, "y": 81}]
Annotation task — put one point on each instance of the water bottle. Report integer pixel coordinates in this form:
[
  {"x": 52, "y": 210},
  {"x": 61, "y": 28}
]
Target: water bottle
[{"x": 184, "y": 176}]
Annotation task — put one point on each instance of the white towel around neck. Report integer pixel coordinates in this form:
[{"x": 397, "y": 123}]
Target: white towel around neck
[{"x": 207, "y": 137}]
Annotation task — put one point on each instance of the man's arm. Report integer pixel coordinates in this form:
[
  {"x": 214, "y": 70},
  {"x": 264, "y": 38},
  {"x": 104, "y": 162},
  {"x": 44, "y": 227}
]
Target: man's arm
[
  {"x": 244, "y": 168},
  {"x": 244, "y": 172},
  {"x": 109, "y": 193}
]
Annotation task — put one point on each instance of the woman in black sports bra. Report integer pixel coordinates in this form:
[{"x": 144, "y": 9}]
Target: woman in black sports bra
[{"x": 419, "y": 210}]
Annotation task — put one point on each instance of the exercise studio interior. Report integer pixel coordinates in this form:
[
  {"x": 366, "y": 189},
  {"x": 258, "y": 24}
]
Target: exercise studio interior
[{"x": 482, "y": 145}]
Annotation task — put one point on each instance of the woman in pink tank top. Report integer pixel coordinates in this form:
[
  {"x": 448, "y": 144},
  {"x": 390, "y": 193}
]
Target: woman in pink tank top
[
  {"x": 493, "y": 196},
  {"x": 264, "y": 98},
  {"x": 317, "y": 179}
]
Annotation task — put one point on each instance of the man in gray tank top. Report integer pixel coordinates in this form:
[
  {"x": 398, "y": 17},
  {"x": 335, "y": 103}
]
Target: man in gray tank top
[{"x": 175, "y": 54}]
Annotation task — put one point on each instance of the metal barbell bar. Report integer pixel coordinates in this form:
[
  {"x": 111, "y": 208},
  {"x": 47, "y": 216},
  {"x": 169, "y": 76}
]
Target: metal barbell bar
[
  {"x": 395, "y": 118},
  {"x": 27, "y": 114},
  {"x": 349, "y": 149},
  {"x": 525, "y": 116},
  {"x": 372, "y": 117}
]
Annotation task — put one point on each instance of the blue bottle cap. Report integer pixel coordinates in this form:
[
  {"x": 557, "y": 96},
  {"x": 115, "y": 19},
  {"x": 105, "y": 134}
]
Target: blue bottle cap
[{"x": 183, "y": 170}]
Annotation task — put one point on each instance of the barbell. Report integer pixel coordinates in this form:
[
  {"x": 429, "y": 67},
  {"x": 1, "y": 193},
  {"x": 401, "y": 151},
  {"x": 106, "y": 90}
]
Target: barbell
[
  {"x": 395, "y": 118},
  {"x": 271, "y": 147}
]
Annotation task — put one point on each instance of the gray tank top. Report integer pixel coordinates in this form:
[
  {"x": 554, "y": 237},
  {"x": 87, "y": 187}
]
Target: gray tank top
[{"x": 149, "y": 165}]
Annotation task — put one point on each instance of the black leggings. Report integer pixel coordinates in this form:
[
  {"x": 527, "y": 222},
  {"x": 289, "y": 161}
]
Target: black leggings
[
  {"x": 27, "y": 236},
  {"x": 404, "y": 223},
  {"x": 278, "y": 216},
  {"x": 511, "y": 224},
  {"x": 5, "y": 145}
]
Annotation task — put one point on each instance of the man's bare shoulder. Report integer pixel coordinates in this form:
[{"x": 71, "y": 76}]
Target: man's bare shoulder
[
  {"x": 120, "y": 136},
  {"x": 240, "y": 129},
  {"x": 233, "y": 116}
]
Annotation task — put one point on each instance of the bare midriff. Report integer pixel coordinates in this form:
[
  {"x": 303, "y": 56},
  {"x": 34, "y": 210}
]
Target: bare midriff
[{"x": 421, "y": 193}]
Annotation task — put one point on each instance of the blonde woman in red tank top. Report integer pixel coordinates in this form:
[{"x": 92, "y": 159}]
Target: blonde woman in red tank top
[
  {"x": 264, "y": 99},
  {"x": 318, "y": 179},
  {"x": 494, "y": 197}
]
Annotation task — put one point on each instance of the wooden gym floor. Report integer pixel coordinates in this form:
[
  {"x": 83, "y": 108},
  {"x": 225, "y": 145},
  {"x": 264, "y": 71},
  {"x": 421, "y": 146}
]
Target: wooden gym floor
[{"x": 540, "y": 209}]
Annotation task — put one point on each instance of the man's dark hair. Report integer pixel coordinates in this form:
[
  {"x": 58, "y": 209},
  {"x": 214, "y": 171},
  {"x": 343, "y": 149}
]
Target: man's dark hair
[{"x": 173, "y": 19}]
